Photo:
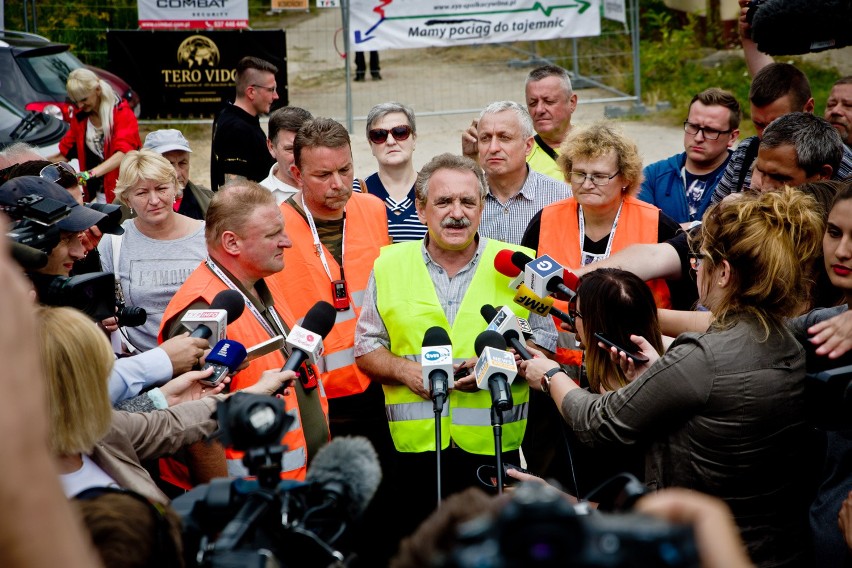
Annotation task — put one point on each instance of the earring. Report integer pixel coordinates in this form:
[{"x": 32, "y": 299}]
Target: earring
[{"x": 131, "y": 211}]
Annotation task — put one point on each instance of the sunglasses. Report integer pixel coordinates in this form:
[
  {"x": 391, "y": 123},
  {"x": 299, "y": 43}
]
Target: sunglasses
[
  {"x": 399, "y": 133},
  {"x": 59, "y": 173}
]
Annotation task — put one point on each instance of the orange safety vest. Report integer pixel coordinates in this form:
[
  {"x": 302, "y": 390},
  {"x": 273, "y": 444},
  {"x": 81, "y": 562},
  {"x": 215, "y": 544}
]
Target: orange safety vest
[
  {"x": 304, "y": 282},
  {"x": 203, "y": 285},
  {"x": 560, "y": 231}
]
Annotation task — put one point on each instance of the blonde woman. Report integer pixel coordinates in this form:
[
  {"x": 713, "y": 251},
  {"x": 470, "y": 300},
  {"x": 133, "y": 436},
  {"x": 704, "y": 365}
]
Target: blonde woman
[
  {"x": 160, "y": 247},
  {"x": 97, "y": 446},
  {"x": 102, "y": 131},
  {"x": 723, "y": 411}
]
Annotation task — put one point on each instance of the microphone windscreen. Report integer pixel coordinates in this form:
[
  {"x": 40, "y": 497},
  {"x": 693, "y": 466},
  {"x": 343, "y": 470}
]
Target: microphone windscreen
[
  {"x": 489, "y": 338},
  {"x": 231, "y": 301},
  {"x": 488, "y": 312},
  {"x": 352, "y": 464},
  {"x": 520, "y": 260},
  {"x": 504, "y": 265},
  {"x": 320, "y": 318},
  {"x": 570, "y": 279},
  {"x": 436, "y": 336}
]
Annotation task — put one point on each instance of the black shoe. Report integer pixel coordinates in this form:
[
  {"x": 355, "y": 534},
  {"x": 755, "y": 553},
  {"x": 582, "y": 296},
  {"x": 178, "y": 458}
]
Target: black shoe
[
  {"x": 376, "y": 76},
  {"x": 359, "y": 77}
]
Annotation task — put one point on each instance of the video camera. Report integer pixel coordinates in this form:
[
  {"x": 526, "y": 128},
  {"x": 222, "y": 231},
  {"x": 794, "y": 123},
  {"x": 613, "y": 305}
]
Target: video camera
[
  {"x": 539, "y": 527},
  {"x": 267, "y": 521}
]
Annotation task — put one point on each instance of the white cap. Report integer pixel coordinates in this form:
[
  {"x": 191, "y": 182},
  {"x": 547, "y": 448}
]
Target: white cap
[{"x": 166, "y": 140}]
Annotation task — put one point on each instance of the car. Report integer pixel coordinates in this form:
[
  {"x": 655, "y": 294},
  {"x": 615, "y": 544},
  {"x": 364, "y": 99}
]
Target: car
[
  {"x": 37, "y": 129},
  {"x": 33, "y": 72}
]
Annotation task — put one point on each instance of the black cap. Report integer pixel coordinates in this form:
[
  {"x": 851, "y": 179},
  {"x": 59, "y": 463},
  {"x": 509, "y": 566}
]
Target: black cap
[{"x": 80, "y": 218}]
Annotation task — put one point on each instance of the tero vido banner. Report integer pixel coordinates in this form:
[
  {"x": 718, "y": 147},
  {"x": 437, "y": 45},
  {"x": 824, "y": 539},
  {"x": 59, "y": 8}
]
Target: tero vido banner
[{"x": 397, "y": 24}]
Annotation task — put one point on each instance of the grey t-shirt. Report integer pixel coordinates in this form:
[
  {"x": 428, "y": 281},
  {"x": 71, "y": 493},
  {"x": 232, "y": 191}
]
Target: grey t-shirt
[{"x": 150, "y": 272}]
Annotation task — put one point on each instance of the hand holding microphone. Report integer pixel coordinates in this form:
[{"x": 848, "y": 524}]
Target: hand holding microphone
[{"x": 305, "y": 341}]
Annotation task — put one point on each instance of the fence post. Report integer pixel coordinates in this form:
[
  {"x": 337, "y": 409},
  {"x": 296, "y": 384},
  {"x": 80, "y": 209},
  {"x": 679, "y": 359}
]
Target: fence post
[{"x": 344, "y": 7}]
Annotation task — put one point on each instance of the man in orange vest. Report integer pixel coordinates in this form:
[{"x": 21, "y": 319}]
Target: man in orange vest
[
  {"x": 336, "y": 238},
  {"x": 246, "y": 241}
]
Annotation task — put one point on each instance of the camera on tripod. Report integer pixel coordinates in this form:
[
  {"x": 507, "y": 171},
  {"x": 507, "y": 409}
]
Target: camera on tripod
[{"x": 267, "y": 521}]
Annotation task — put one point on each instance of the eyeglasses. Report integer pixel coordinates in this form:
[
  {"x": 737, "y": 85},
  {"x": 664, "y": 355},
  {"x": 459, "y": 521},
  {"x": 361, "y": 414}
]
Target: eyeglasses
[
  {"x": 59, "y": 173},
  {"x": 380, "y": 135},
  {"x": 709, "y": 133},
  {"x": 573, "y": 311},
  {"x": 268, "y": 89},
  {"x": 580, "y": 178},
  {"x": 695, "y": 260}
]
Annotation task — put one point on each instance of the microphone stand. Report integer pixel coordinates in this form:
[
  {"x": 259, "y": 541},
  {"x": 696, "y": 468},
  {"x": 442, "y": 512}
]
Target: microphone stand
[
  {"x": 499, "y": 403},
  {"x": 439, "y": 396}
]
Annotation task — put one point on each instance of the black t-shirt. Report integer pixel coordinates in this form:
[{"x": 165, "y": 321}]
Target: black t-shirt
[{"x": 239, "y": 147}]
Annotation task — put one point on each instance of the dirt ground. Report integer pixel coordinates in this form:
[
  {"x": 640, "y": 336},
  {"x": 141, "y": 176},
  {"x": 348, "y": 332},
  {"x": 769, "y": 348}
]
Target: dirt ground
[{"x": 317, "y": 83}]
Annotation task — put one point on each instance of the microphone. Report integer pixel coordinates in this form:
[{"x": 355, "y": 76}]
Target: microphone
[
  {"x": 436, "y": 360},
  {"x": 544, "y": 275},
  {"x": 210, "y": 323},
  {"x": 346, "y": 472},
  {"x": 504, "y": 265},
  {"x": 791, "y": 27},
  {"x": 225, "y": 357},
  {"x": 506, "y": 323},
  {"x": 305, "y": 341},
  {"x": 495, "y": 370},
  {"x": 541, "y": 306}
]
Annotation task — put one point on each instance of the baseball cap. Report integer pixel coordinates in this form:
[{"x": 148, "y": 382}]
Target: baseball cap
[
  {"x": 166, "y": 140},
  {"x": 80, "y": 218}
]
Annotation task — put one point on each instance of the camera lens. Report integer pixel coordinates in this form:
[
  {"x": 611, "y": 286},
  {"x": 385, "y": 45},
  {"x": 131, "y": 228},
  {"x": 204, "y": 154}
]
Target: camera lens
[{"x": 130, "y": 316}]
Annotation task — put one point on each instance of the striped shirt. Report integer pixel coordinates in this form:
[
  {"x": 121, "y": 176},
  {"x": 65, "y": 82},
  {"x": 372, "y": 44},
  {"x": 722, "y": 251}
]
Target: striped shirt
[
  {"x": 507, "y": 221},
  {"x": 372, "y": 333},
  {"x": 403, "y": 222}
]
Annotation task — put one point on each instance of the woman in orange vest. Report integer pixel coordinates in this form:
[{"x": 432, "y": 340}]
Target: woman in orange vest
[{"x": 605, "y": 172}]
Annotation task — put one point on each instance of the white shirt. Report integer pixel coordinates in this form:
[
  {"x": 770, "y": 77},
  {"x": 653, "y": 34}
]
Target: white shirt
[
  {"x": 282, "y": 191},
  {"x": 88, "y": 476}
]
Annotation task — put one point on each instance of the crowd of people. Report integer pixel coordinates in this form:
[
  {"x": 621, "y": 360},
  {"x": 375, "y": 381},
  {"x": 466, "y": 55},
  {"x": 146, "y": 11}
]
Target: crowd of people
[{"x": 722, "y": 274}]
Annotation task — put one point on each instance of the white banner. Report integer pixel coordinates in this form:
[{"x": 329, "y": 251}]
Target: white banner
[
  {"x": 193, "y": 14},
  {"x": 397, "y": 24},
  {"x": 614, "y": 10}
]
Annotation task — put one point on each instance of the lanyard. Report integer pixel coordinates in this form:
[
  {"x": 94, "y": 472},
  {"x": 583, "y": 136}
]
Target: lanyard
[
  {"x": 318, "y": 245},
  {"x": 261, "y": 320},
  {"x": 583, "y": 259}
]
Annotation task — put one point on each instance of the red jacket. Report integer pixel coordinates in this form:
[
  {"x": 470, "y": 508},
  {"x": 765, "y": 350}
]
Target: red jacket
[{"x": 125, "y": 137}]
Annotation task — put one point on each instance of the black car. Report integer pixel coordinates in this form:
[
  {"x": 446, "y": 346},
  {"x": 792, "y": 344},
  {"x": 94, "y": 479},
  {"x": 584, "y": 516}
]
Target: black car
[
  {"x": 35, "y": 128},
  {"x": 33, "y": 72}
]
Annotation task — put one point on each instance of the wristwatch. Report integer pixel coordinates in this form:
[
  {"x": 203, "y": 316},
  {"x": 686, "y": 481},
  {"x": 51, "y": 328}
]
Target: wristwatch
[{"x": 545, "y": 380}]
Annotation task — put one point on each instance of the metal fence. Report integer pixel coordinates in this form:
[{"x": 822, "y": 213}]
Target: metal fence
[{"x": 431, "y": 80}]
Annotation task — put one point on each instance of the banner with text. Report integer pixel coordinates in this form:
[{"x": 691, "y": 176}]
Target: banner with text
[
  {"x": 290, "y": 5},
  {"x": 193, "y": 14},
  {"x": 397, "y": 24},
  {"x": 184, "y": 74}
]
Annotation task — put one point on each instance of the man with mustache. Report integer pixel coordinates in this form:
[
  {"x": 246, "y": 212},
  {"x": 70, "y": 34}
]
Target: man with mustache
[
  {"x": 443, "y": 281},
  {"x": 838, "y": 108}
]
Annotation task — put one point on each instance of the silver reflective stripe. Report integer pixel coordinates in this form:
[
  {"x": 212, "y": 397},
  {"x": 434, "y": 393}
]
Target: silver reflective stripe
[
  {"x": 296, "y": 422},
  {"x": 358, "y": 297},
  {"x": 343, "y": 316},
  {"x": 321, "y": 387},
  {"x": 292, "y": 461},
  {"x": 339, "y": 359},
  {"x": 482, "y": 416},
  {"x": 413, "y": 411}
]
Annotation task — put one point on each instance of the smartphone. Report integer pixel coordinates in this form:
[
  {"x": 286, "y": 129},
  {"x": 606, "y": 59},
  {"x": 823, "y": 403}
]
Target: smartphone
[
  {"x": 637, "y": 357},
  {"x": 461, "y": 373},
  {"x": 265, "y": 348}
]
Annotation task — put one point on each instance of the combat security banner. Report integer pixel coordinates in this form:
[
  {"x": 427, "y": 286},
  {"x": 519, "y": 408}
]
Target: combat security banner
[{"x": 398, "y": 24}]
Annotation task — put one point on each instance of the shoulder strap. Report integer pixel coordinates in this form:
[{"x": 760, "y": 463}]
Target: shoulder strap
[
  {"x": 544, "y": 146},
  {"x": 748, "y": 158},
  {"x": 115, "y": 241}
]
